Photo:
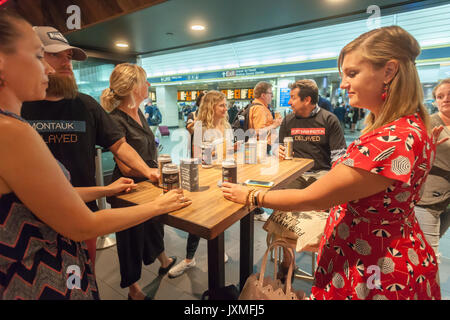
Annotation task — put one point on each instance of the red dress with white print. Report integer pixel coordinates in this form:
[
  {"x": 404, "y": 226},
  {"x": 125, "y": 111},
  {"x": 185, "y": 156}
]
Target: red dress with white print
[{"x": 373, "y": 248}]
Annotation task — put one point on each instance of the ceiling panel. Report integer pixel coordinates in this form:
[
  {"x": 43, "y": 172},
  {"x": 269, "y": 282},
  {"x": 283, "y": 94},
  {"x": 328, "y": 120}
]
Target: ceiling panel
[{"x": 164, "y": 27}]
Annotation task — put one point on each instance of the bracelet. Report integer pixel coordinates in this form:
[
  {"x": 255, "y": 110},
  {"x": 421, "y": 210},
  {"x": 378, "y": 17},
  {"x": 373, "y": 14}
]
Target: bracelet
[
  {"x": 248, "y": 202},
  {"x": 262, "y": 198},
  {"x": 251, "y": 198},
  {"x": 255, "y": 198}
]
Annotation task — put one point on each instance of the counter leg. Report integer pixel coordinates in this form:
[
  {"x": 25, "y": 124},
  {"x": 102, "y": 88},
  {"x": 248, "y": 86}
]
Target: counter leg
[
  {"x": 246, "y": 249},
  {"x": 216, "y": 264}
]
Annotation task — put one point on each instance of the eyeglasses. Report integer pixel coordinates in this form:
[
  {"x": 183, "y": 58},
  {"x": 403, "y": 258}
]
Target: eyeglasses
[{"x": 271, "y": 93}]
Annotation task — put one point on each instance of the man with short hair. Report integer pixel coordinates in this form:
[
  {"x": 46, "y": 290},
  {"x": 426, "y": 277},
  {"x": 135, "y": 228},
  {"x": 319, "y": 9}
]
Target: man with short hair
[
  {"x": 72, "y": 123},
  {"x": 316, "y": 132},
  {"x": 260, "y": 116}
]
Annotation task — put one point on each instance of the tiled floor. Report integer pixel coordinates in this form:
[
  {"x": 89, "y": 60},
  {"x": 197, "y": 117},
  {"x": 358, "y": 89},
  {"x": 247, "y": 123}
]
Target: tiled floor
[{"x": 191, "y": 285}]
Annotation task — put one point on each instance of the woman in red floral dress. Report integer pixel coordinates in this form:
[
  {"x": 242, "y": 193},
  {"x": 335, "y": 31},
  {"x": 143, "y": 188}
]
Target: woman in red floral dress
[{"x": 373, "y": 247}]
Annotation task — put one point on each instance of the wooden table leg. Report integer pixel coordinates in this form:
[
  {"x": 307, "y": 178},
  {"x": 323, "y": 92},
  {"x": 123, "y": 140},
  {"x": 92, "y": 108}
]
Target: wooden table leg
[
  {"x": 216, "y": 264},
  {"x": 246, "y": 249}
]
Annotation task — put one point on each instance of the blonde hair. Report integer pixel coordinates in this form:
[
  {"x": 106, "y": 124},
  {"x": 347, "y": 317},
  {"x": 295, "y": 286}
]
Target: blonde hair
[
  {"x": 124, "y": 78},
  {"x": 405, "y": 94},
  {"x": 206, "y": 109},
  {"x": 441, "y": 83}
]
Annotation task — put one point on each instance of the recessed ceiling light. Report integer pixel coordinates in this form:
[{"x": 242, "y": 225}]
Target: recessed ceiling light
[
  {"x": 122, "y": 44},
  {"x": 198, "y": 27}
]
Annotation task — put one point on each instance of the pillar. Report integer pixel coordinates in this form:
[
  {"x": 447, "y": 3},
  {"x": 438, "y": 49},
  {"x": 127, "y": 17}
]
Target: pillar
[{"x": 166, "y": 98}]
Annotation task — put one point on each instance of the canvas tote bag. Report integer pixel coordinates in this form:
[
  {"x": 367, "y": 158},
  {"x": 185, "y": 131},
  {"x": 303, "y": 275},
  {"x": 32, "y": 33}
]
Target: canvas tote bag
[
  {"x": 258, "y": 287},
  {"x": 302, "y": 230}
]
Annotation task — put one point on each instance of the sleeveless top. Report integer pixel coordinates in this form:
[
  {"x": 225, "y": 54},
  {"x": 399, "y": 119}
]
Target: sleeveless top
[{"x": 36, "y": 262}]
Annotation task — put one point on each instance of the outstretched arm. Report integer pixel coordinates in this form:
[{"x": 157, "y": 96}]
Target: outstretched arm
[
  {"x": 340, "y": 185},
  {"x": 30, "y": 171},
  {"x": 93, "y": 193}
]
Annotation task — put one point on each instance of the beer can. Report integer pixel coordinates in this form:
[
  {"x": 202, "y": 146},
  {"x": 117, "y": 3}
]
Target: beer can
[
  {"x": 229, "y": 171},
  {"x": 170, "y": 177},
  {"x": 163, "y": 159},
  {"x": 207, "y": 149},
  {"x": 288, "y": 148},
  {"x": 250, "y": 152},
  {"x": 189, "y": 174}
]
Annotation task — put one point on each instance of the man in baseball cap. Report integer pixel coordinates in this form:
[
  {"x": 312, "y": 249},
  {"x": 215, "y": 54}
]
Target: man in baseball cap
[{"x": 55, "y": 42}]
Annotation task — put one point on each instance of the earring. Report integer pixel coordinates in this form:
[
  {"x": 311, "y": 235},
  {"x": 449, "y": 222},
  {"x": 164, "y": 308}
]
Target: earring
[{"x": 385, "y": 92}]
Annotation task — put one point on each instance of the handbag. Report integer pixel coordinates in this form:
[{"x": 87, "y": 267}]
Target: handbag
[
  {"x": 258, "y": 287},
  {"x": 302, "y": 230}
]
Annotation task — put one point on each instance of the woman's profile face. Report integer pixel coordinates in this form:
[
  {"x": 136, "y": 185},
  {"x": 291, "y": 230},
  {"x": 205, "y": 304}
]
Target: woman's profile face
[
  {"x": 364, "y": 83},
  {"x": 25, "y": 70},
  {"x": 220, "y": 109},
  {"x": 142, "y": 92},
  {"x": 443, "y": 99}
]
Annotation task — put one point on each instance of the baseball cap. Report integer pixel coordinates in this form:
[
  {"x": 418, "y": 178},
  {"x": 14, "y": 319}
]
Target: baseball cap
[{"x": 54, "y": 42}]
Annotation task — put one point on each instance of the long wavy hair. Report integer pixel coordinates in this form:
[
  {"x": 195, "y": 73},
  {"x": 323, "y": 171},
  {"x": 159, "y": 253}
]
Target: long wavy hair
[
  {"x": 124, "y": 78},
  {"x": 405, "y": 94},
  {"x": 206, "y": 110}
]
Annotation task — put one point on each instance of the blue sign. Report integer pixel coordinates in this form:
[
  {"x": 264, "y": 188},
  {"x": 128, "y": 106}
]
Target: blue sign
[
  {"x": 327, "y": 64},
  {"x": 285, "y": 95}
]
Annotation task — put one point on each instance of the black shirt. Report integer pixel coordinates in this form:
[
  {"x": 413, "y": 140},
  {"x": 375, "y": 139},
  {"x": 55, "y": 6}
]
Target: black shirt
[
  {"x": 140, "y": 138},
  {"x": 72, "y": 128},
  {"x": 318, "y": 137}
]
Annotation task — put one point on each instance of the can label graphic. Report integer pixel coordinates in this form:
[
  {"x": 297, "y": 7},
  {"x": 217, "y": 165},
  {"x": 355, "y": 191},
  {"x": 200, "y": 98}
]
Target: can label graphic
[
  {"x": 250, "y": 152},
  {"x": 207, "y": 155},
  {"x": 189, "y": 174},
  {"x": 170, "y": 177},
  {"x": 229, "y": 171},
  {"x": 162, "y": 161}
]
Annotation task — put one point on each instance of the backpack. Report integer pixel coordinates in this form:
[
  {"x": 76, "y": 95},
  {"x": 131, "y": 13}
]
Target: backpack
[
  {"x": 246, "y": 114},
  {"x": 156, "y": 117}
]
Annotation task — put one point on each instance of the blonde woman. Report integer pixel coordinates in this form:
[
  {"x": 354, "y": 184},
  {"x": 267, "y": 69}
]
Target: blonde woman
[
  {"x": 143, "y": 243},
  {"x": 373, "y": 188},
  {"x": 213, "y": 117},
  {"x": 43, "y": 220}
]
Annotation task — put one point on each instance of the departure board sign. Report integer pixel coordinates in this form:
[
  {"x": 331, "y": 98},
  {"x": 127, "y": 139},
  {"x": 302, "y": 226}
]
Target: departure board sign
[
  {"x": 230, "y": 94},
  {"x": 250, "y": 94}
]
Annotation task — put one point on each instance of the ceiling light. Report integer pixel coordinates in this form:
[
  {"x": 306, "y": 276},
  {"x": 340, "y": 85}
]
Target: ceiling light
[
  {"x": 198, "y": 27},
  {"x": 122, "y": 44}
]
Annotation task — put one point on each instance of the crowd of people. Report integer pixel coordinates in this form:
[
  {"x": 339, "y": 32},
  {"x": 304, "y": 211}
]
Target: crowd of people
[{"x": 387, "y": 192}]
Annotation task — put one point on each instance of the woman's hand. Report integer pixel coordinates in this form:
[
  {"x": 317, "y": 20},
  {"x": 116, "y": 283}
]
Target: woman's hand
[
  {"x": 436, "y": 133},
  {"x": 120, "y": 185},
  {"x": 235, "y": 192},
  {"x": 172, "y": 201}
]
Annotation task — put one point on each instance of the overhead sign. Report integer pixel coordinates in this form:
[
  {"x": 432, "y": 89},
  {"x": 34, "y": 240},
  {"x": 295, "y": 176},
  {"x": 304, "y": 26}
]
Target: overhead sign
[{"x": 328, "y": 64}]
